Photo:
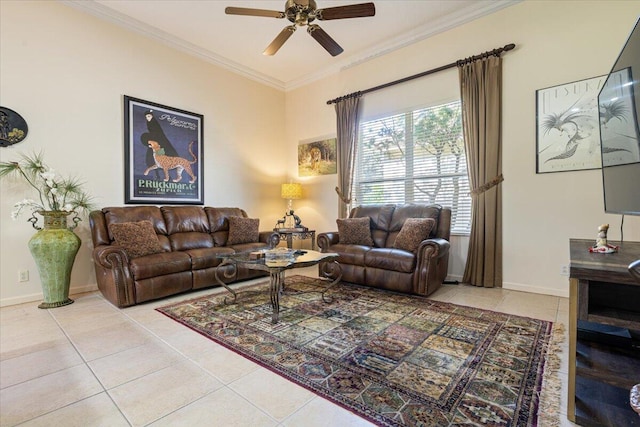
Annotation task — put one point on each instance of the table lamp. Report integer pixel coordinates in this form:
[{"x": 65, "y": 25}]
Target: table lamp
[{"x": 290, "y": 192}]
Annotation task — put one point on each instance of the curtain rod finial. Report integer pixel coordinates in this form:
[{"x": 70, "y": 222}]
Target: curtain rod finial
[{"x": 509, "y": 47}]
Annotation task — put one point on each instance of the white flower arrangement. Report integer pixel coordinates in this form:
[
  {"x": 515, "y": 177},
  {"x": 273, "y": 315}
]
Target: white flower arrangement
[{"x": 55, "y": 193}]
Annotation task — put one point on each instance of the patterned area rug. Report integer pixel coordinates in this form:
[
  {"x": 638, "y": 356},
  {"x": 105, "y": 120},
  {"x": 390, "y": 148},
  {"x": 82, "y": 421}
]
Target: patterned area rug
[{"x": 394, "y": 359}]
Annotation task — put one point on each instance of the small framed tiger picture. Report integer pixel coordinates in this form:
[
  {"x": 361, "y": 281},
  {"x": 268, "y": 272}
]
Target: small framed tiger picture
[
  {"x": 163, "y": 154},
  {"x": 317, "y": 157}
]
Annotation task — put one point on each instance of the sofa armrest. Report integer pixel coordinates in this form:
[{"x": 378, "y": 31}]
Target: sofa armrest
[
  {"x": 433, "y": 248},
  {"x": 272, "y": 238},
  {"x": 325, "y": 240},
  {"x": 432, "y": 259},
  {"x": 113, "y": 275},
  {"x": 111, "y": 256}
]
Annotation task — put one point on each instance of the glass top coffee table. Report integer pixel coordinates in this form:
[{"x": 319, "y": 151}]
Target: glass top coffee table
[{"x": 276, "y": 262}]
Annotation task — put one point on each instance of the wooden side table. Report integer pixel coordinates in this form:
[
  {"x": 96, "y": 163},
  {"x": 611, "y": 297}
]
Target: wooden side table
[
  {"x": 604, "y": 327},
  {"x": 290, "y": 235}
]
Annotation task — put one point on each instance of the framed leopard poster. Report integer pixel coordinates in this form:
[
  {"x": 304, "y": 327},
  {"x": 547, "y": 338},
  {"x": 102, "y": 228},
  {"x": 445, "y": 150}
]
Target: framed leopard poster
[{"x": 163, "y": 154}]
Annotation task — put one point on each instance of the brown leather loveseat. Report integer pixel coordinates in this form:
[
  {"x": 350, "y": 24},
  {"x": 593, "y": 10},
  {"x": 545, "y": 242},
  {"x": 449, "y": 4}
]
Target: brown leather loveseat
[
  {"x": 388, "y": 254},
  {"x": 171, "y": 249}
]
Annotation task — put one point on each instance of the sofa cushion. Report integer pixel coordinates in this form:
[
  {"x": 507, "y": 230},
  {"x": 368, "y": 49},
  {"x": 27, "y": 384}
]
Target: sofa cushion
[
  {"x": 380, "y": 216},
  {"x": 207, "y": 257},
  {"x": 350, "y": 254},
  {"x": 219, "y": 222},
  {"x": 243, "y": 230},
  {"x": 137, "y": 238},
  {"x": 159, "y": 265},
  {"x": 191, "y": 240},
  {"x": 413, "y": 231},
  {"x": 390, "y": 259},
  {"x": 185, "y": 219},
  {"x": 403, "y": 212},
  {"x": 115, "y": 215},
  {"x": 355, "y": 231}
]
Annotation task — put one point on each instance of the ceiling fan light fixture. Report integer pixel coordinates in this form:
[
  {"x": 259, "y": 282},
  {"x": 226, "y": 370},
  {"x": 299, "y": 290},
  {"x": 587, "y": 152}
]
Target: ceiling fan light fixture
[{"x": 302, "y": 19}]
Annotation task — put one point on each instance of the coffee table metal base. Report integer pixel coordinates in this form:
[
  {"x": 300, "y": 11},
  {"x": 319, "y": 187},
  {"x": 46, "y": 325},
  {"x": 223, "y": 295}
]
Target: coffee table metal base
[
  {"x": 229, "y": 274},
  {"x": 276, "y": 284}
]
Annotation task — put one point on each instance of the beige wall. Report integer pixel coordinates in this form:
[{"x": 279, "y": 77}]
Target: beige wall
[
  {"x": 66, "y": 73},
  {"x": 557, "y": 42}
]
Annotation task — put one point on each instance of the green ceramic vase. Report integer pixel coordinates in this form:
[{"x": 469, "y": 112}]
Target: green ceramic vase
[{"x": 54, "y": 248}]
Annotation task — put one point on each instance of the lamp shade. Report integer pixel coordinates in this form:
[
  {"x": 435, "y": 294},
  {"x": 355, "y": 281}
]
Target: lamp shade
[{"x": 291, "y": 191}]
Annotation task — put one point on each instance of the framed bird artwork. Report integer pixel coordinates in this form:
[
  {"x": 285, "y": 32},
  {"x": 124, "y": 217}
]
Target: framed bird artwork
[{"x": 567, "y": 131}]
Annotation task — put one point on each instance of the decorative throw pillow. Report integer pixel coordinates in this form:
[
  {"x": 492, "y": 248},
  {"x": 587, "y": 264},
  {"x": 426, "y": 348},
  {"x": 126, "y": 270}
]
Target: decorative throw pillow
[
  {"x": 243, "y": 230},
  {"x": 137, "y": 238},
  {"x": 413, "y": 231},
  {"x": 355, "y": 231}
]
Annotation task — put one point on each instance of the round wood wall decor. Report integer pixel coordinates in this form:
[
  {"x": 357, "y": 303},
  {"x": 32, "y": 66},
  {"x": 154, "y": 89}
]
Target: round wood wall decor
[{"x": 13, "y": 128}]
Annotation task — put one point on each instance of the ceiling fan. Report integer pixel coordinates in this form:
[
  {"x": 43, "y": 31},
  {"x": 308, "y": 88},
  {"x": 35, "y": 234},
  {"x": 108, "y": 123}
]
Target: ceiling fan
[{"x": 303, "y": 12}]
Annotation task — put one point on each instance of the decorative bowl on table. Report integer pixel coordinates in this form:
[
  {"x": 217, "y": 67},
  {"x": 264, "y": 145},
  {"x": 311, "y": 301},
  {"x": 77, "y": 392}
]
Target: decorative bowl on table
[{"x": 279, "y": 256}]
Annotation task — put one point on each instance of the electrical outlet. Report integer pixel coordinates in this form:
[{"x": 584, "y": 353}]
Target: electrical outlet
[
  {"x": 23, "y": 275},
  {"x": 564, "y": 270}
]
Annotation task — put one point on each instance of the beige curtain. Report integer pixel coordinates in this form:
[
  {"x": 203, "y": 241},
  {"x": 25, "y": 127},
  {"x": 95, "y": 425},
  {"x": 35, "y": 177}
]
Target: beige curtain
[
  {"x": 348, "y": 121},
  {"x": 481, "y": 90}
]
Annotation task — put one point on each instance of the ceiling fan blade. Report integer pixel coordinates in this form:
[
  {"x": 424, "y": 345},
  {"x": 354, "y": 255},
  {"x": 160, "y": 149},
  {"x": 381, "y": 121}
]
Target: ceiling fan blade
[
  {"x": 325, "y": 40},
  {"x": 253, "y": 12},
  {"x": 277, "y": 43},
  {"x": 349, "y": 11}
]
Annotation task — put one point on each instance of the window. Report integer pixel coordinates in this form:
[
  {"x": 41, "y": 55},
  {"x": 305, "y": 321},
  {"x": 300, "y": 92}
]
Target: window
[{"x": 415, "y": 157}]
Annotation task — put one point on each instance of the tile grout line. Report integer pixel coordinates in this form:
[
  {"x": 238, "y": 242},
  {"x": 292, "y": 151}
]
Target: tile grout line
[
  {"x": 86, "y": 364},
  {"x": 193, "y": 362},
  {"x": 105, "y": 390}
]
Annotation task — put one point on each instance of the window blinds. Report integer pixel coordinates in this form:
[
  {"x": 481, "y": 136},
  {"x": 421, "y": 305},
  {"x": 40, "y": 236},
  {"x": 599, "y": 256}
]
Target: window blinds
[{"x": 415, "y": 157}]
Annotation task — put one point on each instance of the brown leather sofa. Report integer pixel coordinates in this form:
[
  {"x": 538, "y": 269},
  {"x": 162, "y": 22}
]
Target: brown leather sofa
[
  {"x": 190, "y": 237},
  {"x": 384, "y": 266}
]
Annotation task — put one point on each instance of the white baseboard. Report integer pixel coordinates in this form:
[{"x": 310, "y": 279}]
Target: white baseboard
[
  {"x": 536, "y": 289},
  {"x": 523, "y": 288},
  {"x": 452, "y": 277},
  {"x": 22, "y": 299},
  {"x": 83, "y": 289}
]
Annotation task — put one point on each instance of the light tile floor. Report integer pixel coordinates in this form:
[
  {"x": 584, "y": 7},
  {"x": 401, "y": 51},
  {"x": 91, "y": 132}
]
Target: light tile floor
[{"x": 92, "y": 364}]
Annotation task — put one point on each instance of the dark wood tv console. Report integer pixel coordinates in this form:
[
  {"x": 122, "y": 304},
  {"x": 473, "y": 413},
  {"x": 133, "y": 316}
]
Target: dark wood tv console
[{"x": 604, "y": 335}]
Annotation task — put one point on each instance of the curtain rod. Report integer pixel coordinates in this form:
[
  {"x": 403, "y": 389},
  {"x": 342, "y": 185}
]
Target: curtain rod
[{"x": 494, "y": 52}]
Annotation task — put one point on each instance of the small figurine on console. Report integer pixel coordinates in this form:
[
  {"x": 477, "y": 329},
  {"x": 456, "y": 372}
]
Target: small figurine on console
[
  {"x": 602, "y": 246},
  {"x": 290, "y": 222},
  {"x": 297, "y": 221}
]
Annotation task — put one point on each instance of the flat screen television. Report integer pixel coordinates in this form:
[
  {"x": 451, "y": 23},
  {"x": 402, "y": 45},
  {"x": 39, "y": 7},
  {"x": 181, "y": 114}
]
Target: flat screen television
[{"x": 619, "y": 105}]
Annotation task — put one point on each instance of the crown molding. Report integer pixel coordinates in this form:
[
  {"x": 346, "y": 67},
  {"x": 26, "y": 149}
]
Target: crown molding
[
  {"x": 110, "y": 15},
  {"x": 477, "y": 10},
  {"x": 456, "y": 19}
]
